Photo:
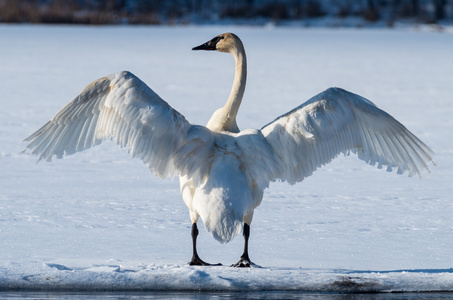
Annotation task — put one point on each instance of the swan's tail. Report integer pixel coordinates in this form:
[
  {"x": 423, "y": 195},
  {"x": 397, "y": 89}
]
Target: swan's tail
[{"x": 221, "y": 216}]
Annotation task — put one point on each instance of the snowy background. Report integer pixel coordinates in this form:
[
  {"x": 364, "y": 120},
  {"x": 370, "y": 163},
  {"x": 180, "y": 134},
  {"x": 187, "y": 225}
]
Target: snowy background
[{"x": 101, "y": 220}]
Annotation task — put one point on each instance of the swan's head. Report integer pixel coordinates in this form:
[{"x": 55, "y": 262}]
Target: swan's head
[{"x": 225, "y": 42}]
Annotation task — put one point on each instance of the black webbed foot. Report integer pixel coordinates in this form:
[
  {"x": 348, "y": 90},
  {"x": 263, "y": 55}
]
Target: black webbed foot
[
  {"x": 197, "y": 261},
  {"x": 244, "y": 262}
]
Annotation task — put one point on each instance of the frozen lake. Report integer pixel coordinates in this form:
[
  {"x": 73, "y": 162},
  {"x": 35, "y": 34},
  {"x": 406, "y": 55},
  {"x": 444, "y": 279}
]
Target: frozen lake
[
  {"x": 218, "y": 295},
  {"x": 100, "y": 220}
]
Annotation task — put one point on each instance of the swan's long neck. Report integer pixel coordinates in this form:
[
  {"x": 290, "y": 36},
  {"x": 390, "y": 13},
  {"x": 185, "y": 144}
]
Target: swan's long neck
[{"x": 224, "y": 119}]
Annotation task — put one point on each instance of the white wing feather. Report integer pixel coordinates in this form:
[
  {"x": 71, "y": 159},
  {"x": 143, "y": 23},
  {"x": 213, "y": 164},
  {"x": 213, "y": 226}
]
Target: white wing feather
[
  {"x": 337, "y": 121},
  {"x": 123, "y": 108}
]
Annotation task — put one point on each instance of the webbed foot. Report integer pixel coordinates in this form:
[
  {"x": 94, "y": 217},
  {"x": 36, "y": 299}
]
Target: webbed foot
[
  {"x": 244, "y": 262},
  {"x": 197, "y": 261}
]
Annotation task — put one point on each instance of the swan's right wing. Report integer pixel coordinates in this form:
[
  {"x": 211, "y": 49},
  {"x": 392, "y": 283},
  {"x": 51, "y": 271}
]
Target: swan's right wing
[
  {"x": 123, "y": 108},
  {"x": 337, "y": 121}
]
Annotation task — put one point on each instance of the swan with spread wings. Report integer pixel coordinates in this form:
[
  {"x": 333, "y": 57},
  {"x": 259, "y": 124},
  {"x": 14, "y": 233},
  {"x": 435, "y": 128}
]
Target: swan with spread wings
[{"x": 223, "y": 171}]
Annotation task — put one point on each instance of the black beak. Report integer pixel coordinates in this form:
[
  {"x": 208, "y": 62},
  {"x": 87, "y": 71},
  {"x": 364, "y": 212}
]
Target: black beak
[
  {"x": 205, "y": 46},
  {"x": 209, "y": 45}
]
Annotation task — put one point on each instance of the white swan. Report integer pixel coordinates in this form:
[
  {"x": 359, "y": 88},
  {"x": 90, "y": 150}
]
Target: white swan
[{"x": 223, "y": 171}]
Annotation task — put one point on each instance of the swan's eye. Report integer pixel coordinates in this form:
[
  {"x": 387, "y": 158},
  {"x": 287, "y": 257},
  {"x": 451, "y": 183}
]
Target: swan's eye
[{"x": 217, "y": 39}]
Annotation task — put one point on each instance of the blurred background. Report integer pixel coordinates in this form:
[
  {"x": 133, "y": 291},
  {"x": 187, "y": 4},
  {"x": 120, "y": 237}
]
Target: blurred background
[{"x": 258, "y": 12}]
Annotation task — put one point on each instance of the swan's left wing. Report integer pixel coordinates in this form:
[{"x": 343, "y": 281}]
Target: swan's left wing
[
  {"x": 123, "y": 108},
  {"x": 337, "y": 121}
]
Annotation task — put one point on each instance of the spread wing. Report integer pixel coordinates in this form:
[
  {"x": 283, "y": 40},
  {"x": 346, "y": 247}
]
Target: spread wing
[
  {"x": 337, "y": 121},
  {"x": 123, "y": 108}
]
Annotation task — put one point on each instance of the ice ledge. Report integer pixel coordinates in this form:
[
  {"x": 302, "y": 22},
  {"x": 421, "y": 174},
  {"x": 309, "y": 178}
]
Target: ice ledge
[{"x": 56, "y": 277}]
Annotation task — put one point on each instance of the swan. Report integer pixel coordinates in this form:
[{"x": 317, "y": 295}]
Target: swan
[{"x": 223, "y": 171}]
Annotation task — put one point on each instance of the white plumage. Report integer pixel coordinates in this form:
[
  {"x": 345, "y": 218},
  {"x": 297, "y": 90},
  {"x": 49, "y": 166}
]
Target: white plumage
[{"x": 223, "y": 171}]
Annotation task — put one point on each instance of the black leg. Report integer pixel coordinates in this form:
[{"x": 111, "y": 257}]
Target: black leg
[
  {"x": 196, "y": 260},
  {"x": 245, "y": 261}
]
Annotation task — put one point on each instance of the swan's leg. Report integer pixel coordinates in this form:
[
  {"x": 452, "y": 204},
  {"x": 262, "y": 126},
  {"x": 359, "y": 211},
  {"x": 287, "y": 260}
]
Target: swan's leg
[
  {"x": 196, "y": 260},
  {"x": 245, "y": 261}
]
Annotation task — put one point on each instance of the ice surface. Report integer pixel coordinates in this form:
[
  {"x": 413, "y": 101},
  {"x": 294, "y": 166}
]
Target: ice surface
[
  {"x": 100, "y": 220},
  {"x": 185, "y": 278}
]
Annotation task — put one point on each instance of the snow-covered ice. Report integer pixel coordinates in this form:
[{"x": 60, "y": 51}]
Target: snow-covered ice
[
  {"x": 185, "y": 278},
  {"x": 99, "y": 220}
]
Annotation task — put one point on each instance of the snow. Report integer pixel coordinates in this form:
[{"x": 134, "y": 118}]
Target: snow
[
  {"x": 186, "y": 278},
  {"x": 99, "y": 220}
]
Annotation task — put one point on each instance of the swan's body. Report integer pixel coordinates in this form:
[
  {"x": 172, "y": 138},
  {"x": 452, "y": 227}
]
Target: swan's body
[{"x": 224, "y": 171}]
